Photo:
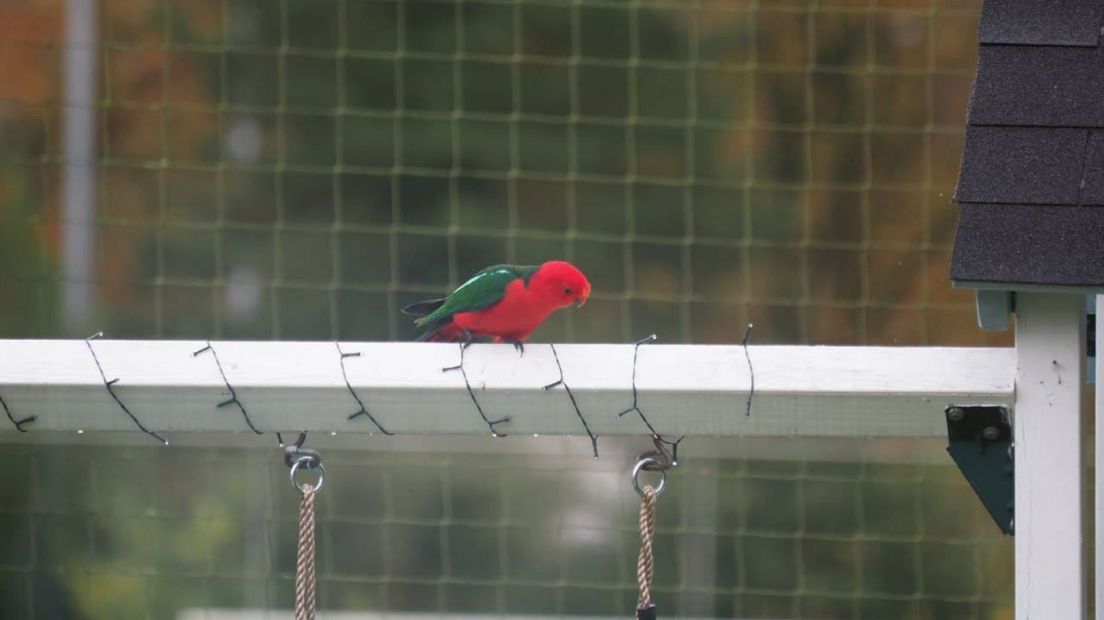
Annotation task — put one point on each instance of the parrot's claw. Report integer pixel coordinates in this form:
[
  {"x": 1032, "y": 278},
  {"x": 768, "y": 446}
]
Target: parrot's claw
[{"x": 519, "y": 346}]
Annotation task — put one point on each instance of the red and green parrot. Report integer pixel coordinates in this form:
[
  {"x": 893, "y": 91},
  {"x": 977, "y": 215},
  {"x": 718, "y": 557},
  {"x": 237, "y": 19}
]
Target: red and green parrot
[{"x": 504, "y": 302}]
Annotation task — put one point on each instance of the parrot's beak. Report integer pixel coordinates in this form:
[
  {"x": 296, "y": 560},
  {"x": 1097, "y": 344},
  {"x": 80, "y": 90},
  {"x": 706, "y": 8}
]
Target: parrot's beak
[{"x": 583, "y": 298}]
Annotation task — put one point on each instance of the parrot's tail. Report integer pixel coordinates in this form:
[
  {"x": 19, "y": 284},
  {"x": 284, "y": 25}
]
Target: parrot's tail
[
  {"x": 423, "y": 308},
  {"x": 439, "y": 330}
]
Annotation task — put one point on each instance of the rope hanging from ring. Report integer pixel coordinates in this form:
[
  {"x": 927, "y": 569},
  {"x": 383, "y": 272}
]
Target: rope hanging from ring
[
  {"x": 645, "y": 565},
  {"x": 296, "y": 457},
  {"x": 659, "y": 461},
  {"x": 304, "y": 562}
]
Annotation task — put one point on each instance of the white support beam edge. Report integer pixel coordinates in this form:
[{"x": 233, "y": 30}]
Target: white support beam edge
[
  {"x": 1049, "y": 462},
  {"x": 1098, "y": 496},
  {"x": 692, "y": 390}
]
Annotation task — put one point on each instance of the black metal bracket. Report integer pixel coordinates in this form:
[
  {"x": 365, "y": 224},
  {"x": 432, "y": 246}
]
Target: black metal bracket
[
  {"x": 1090, "y": 335},
  {"x": 980, "y": 442}
]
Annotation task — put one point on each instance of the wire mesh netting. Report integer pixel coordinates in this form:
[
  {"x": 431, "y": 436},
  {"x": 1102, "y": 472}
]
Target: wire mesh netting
[
  {"x": 300, "y": 170},
  {"x": 148, "y": 532}
]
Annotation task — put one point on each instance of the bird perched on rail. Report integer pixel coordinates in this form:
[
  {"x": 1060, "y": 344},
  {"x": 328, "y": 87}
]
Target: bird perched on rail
[{"x": 504, "y": 302}]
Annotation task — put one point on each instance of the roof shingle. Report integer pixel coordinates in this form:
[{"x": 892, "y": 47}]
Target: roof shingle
[
  {"x": 1041, "y": 22},
  {"x": 1033, "y": 165},
  {"x": 1031, "y": 184},
  {"x": 1029, "y": 245},
  {"x": 1051, "y": 86},
  {"x": 1092, "y": 190}
]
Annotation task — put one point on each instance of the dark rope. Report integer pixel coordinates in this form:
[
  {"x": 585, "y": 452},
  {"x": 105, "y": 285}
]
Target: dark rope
[
  {"x": 111, "y": 390},
  {"x": 363, "y": 411},
  {"x": 20, "y": 422},
  {"x": 751, "y": 369},
  {"x": 467, "y": 384},
  {"x": 570, "y": 395},
  {"x": 636, "y": 406},
  {"x": 233, "y": 400}
]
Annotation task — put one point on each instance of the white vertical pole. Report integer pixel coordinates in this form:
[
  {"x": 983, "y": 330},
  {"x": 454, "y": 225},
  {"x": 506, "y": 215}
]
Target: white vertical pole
[
  {"x": 78, "y": 207},
  {"x": 1050, "y": 566},
  {"x": 1099, "y": 457}
]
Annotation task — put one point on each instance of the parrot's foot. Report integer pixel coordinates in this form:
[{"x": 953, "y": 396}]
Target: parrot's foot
[{"x": 519, "y": 346}]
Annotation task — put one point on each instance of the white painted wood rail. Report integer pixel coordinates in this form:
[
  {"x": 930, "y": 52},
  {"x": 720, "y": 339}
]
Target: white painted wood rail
[
  {"x": 684, "y": 390},
  {"x": 1051, "y": 577}
]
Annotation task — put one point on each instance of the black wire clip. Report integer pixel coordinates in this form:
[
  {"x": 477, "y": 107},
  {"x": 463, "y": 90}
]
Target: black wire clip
[
  {"x": 109, "y": 385},
  {"x": 295, "y": 451},
  {"x": 17, "y": 423},
  {"x": 659, "y": 459},
  {"x": 660, "y": 442}
]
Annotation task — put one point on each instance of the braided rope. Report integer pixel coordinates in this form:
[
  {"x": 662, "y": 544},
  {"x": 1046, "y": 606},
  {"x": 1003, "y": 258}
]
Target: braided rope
[
  {"x": 304, "y": 563},
  {"x": 645, "y": 566}
]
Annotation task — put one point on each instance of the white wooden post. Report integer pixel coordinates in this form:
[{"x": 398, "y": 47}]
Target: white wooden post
[
  {"x": 1099, "y": 451},
  {"x": 1050, "y": 566},
  {"x": 77, "y": 227}
]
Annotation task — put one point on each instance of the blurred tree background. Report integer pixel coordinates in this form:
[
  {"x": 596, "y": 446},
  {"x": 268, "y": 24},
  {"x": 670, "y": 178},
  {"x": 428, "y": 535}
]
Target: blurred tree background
[{"x": 299, "y": 169}]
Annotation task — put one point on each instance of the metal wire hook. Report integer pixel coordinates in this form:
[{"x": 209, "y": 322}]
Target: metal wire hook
[
  {"x": 658, "y": 460},
  {"x": 310, "y": 463},
  {"x": 296, "y": 456},
  {"x": 642, "y": 465}
]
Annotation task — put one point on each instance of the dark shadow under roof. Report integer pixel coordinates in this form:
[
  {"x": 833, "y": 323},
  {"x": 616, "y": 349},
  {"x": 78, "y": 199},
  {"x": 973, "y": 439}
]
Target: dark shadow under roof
[{"x": 1031, "y": 184}]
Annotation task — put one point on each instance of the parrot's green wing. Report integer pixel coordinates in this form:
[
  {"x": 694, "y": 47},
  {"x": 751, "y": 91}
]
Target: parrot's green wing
[{"x": 482, "y": 290}]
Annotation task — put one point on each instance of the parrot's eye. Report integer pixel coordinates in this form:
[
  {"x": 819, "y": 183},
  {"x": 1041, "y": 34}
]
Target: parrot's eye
[{"x": 567, "y": 290}]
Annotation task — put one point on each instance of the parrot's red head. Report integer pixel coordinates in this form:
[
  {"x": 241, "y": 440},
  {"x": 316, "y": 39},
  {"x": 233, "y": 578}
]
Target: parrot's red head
[{"x": 561, "y": 283}]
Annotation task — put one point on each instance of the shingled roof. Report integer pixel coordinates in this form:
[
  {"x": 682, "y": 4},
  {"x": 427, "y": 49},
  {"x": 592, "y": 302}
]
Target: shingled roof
[{"x": 1031, "y": 187}]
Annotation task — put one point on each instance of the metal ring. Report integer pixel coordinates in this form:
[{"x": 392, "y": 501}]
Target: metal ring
[
  {"x": 640, "y": 467},
  {"x": 310, "y": 463}
]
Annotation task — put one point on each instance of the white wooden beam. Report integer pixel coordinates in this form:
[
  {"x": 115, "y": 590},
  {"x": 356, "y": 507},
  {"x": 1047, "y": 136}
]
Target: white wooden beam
[
  {"x": 683, "y": 389},
  {"x": 1050, "y": 569},
  {"x": 1099, "y": 459}
]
